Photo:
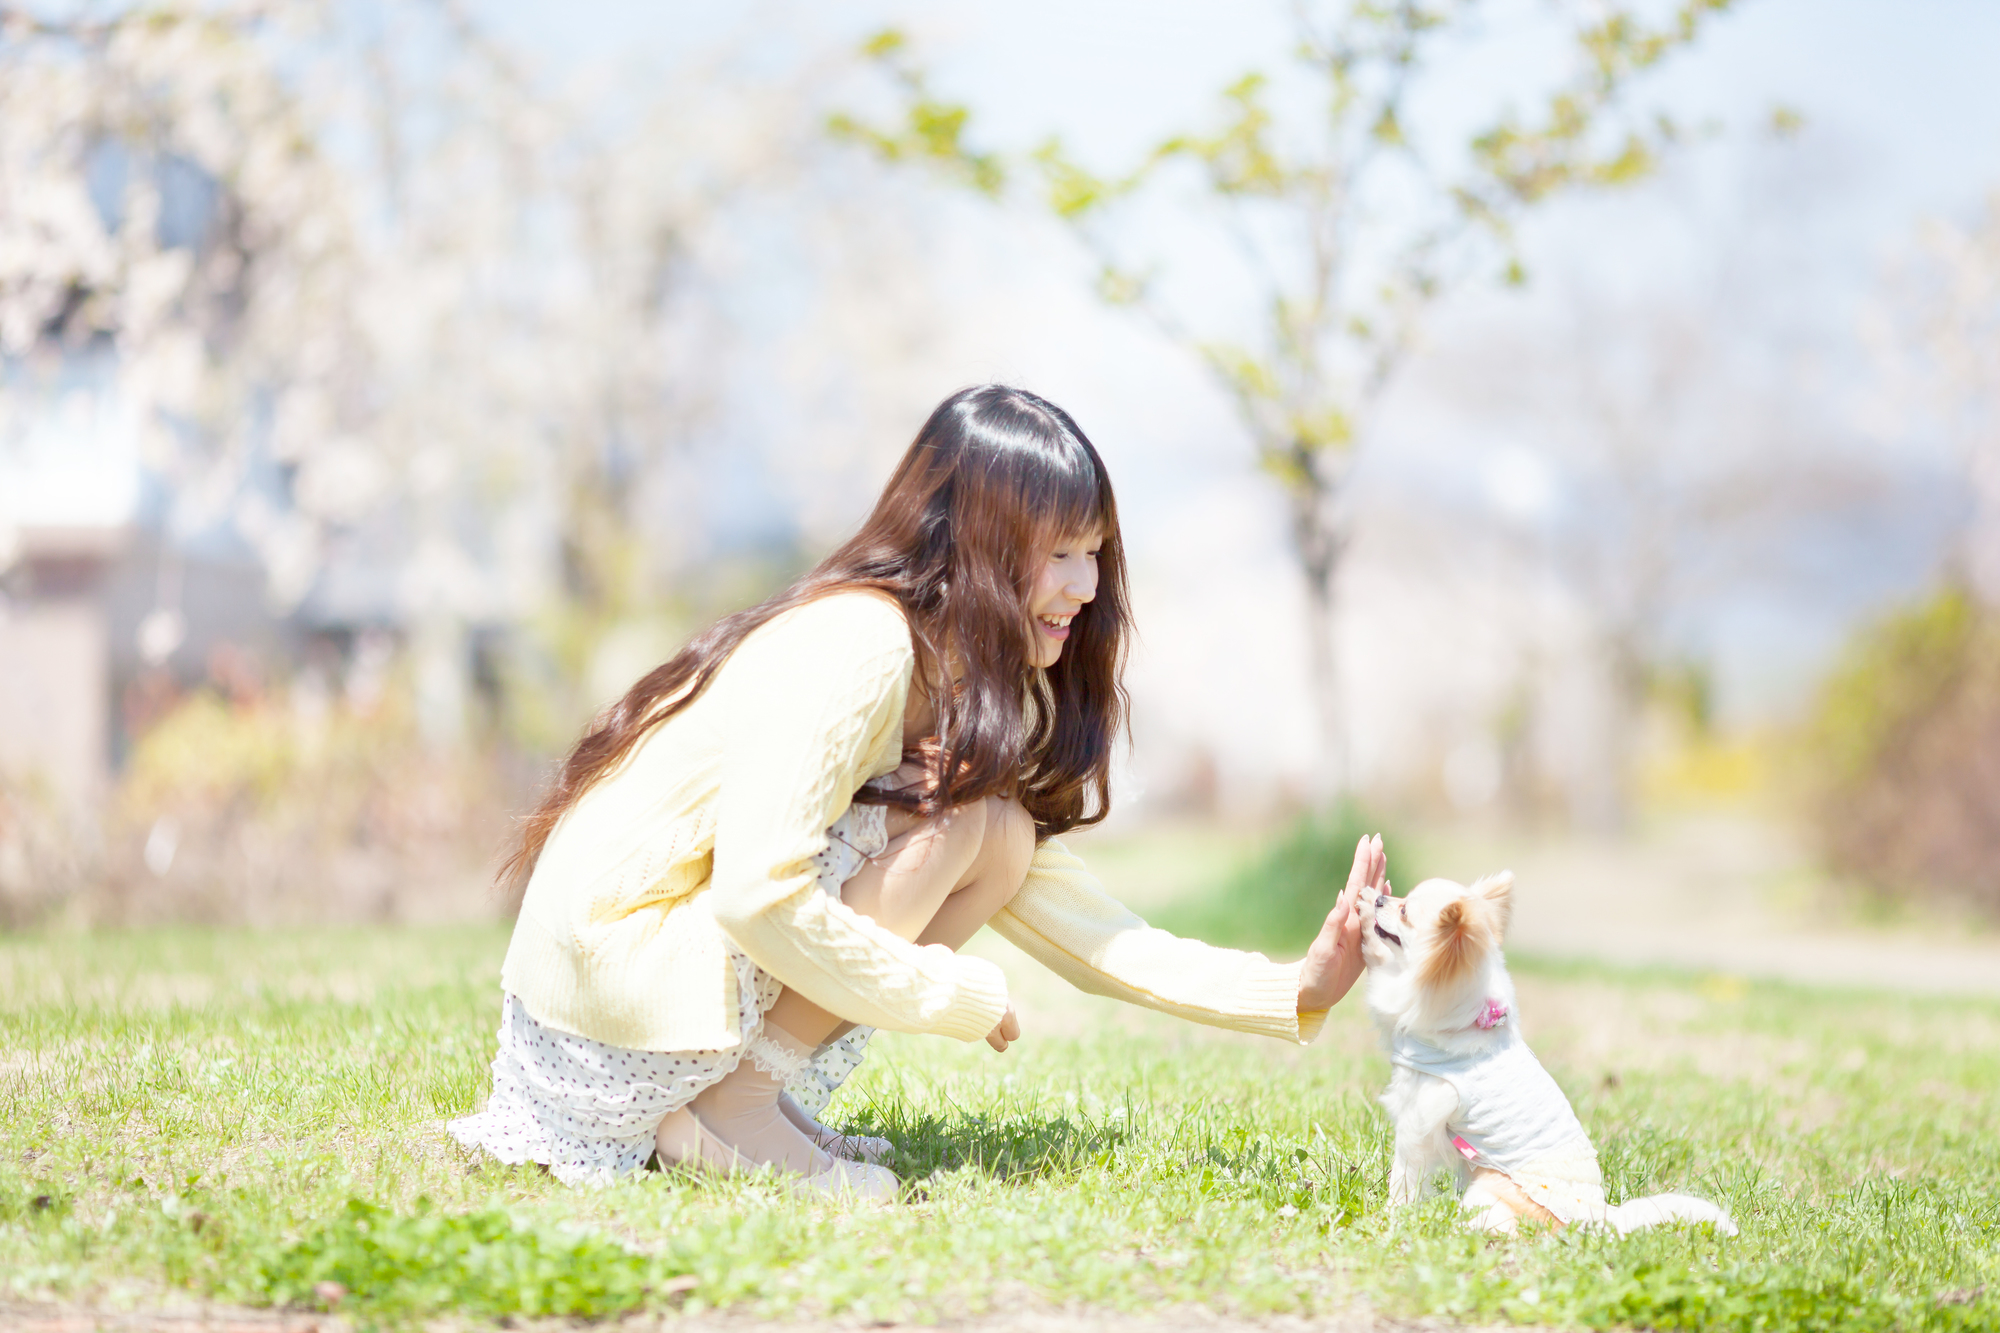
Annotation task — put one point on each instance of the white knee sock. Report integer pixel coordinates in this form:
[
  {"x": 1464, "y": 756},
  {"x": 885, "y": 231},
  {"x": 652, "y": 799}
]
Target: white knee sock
[{"x": 742, "y": 1108}]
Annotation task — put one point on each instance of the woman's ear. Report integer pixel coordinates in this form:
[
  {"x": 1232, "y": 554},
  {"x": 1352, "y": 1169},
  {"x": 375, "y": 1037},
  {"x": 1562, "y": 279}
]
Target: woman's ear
[{"x": 1498, "y": 890}]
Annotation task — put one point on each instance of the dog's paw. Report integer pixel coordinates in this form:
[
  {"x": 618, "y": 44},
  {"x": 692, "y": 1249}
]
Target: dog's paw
[{"x": 1494, "y": 1218}]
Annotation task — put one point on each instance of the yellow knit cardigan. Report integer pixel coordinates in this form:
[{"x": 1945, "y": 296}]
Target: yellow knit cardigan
[{"x": 706, "y": 834}]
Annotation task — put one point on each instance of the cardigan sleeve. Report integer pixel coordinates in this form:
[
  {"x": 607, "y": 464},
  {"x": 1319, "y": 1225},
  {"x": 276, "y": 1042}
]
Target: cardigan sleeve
[
  {"x": 812, "y": 702},
  {"x": 1063, "y": 919}
]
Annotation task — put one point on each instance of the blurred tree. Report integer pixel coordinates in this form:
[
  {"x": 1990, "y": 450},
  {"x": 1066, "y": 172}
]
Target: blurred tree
[
  {"x": 373, "y": 298},
  {"x": 1907, "y": 736},
  {"x": 1906, "y": 754},
  {"x": 1349, "y": 225},
  {"x": 1938, "y": 338},
  {"x": 166, "y": 208},
  {"x": 1682, "y": 445}
]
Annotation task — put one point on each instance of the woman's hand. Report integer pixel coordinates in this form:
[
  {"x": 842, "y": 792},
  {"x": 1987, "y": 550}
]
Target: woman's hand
[
  {"x": 1008, "y": 1029},
  {"x": 1333, "y": 964}
]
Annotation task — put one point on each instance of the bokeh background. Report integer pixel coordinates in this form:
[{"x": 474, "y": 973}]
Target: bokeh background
[{"x": 384, "y": 387}]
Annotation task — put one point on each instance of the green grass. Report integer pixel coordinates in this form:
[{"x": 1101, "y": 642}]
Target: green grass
[{"x": 206, "y": 1115}]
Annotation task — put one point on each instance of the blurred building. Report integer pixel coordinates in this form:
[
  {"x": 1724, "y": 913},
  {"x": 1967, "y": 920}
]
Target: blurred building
[
  {"x": 55, "y": 661},
  {"x": 101, "y": 629}
]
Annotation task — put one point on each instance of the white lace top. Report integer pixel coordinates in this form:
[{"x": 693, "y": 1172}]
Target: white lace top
[{"x": 588, "y": 1111}]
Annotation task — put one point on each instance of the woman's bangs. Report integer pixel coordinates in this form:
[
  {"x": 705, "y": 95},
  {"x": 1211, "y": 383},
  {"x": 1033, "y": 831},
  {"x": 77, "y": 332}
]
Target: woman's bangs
[{"x": 1067, "y": 503}]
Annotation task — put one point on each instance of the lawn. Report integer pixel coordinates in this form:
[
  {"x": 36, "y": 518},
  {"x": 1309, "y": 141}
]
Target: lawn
[{"x": 250, "y": 1118}]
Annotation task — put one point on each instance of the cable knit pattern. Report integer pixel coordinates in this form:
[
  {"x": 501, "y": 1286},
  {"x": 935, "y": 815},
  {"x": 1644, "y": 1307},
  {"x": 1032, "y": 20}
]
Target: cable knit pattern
[{"x": 708, "y": 835}]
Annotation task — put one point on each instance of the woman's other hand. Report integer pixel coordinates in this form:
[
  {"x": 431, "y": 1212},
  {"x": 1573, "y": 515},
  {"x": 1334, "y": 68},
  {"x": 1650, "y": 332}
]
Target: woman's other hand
[
  {"x": 1333, "y": 964},
  {"x": 1008, "y": 1029}
]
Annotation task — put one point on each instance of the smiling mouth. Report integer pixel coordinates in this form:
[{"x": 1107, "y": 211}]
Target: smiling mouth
[
  {"x": 1056, "y": 627},
  {"x": 1396, "y": 940}
]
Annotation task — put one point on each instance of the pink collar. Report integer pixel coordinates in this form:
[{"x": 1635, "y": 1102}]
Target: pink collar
[{"x": 1492, "y": 1016}]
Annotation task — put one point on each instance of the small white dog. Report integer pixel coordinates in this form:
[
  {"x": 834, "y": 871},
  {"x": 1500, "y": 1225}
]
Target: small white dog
[{"x": 1467, "y": 1095}]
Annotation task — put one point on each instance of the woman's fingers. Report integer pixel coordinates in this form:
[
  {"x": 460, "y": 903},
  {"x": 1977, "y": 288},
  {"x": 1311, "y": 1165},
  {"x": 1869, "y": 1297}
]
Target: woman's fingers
[
  {"x": 1366, "y": 877},
  {"x": 1363, "y": 872},
  {"x": 1357, "y": 879},
  {"x": 1007, "y": 1030},
  {"x": 1370, "y": 873},
  {"x": 1334, "y": 963}
]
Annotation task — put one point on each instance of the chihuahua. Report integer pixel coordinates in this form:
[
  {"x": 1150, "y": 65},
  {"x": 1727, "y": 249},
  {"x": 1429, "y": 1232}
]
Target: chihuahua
[{"x": 1467, "y": 1095}]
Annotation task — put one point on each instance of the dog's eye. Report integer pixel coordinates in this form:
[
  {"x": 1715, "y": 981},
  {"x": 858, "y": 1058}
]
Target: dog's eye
[{"x": 1404, "y": 907}]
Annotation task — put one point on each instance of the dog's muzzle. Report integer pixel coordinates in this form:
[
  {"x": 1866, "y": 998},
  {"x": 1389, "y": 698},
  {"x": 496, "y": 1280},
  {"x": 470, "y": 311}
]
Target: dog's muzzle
[{"x": 1381, "y": 900}]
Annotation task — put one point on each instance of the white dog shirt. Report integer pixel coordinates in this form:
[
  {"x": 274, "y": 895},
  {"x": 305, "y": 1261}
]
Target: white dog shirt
[{"x": 1512, "y": 1117}]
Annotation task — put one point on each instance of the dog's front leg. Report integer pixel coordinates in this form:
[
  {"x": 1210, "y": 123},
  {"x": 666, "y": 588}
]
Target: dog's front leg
[{"x": 1418, "y": 1106}]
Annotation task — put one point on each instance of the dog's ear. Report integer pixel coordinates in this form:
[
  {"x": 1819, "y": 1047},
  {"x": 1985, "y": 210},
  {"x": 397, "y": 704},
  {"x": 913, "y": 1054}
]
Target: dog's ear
[
  {"x": 1463, "y": 932},
  {"x": 1498, "y": 889}
]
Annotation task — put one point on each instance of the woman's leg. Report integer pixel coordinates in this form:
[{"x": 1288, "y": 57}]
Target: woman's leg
[
  {"x": 1005, "y": 850},
  {"x": 937, "y": 882}
]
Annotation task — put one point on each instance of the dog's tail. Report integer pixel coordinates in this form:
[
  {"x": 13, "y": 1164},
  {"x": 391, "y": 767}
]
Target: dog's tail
[{"x": 1658, "y": 1209}]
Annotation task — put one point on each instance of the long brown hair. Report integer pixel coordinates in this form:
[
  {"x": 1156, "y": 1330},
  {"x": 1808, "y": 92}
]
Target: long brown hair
[{"x": 995, "y": 476}]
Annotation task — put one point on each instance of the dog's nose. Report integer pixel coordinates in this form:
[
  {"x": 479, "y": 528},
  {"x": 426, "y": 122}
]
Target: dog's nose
[{"x": 1380, "y": 899}]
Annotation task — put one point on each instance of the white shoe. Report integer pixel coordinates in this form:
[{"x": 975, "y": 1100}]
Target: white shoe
[
  {"x": 683, "y": 1140},
  {"x": 854, "y": 1147},
  {"x": 862, "y": 1181}
]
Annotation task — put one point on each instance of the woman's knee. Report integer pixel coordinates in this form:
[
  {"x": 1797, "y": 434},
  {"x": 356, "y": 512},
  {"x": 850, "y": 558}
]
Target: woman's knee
[
  {"x": 1008, "y": 843},
  {"x": 965, "y": 827},
  {"x": 962, "y": 826}
]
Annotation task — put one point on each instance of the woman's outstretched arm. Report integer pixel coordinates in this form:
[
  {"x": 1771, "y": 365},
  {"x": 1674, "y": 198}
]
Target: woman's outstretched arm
[{"x": 1065, "y": 920}]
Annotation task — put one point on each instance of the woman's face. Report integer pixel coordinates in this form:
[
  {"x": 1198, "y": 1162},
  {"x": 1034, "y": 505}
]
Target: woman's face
[{"x": 1065, "y": 579}]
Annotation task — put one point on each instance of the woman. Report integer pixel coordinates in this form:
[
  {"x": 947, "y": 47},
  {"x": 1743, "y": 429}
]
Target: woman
[{"x": 790, "y": 828}]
